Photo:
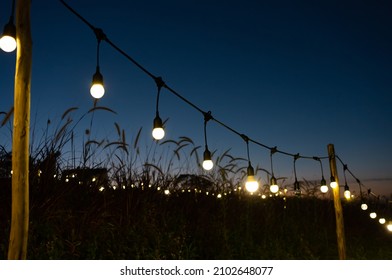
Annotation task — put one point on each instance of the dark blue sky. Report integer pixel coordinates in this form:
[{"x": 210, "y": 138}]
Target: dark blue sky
[{"x": 293, "y": 74}]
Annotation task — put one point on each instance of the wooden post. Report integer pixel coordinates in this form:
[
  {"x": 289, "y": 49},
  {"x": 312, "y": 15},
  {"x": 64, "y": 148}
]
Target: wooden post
[
  {"x": 337, "y": 205},
  {"x": 21, "y": 129}
]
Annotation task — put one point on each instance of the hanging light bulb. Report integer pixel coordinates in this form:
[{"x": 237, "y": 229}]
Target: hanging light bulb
[
  {"x": 389, "y": 226},
  {"x": 251, "y": 184},
  {"x": 347, "y": 193},
  {"x": 158, "y": 133},
  {"x": 333, "y": 183},
  {"x": 274, "y": 188},
  {"x": 97, "y": 90},
  {"x": 364, "y": 206},
  {"x": 373, "y": 215},
  {"x": 297, "y": 188},
  {"x": 208, "y": 164},
  {"x": 8, "y": 39},
  {"x": 382, "y": 221},
  {"x": 323, "y": 186}
]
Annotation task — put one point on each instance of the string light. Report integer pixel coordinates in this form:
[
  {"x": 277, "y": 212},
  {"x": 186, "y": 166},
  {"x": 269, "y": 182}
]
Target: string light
[
  {"x": 158, "y": 132},
  {"x": 274, "y": 188},
  {"x": 251, "y": 184},
  {"x": 373, "y": 215},
  {"x": 297, "y": 188},
  {"x": 97, "y": 89},
  {"x": 347, "y": 193},
  {"x": 208, "y": 164},
  {"x": 323, "y": 183},
  {"x": 8, "y": 38}
]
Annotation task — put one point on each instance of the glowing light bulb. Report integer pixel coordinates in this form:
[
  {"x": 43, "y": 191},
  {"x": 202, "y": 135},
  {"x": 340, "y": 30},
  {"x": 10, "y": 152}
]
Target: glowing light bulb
[
  {"x": 364, "y": 206},
  {"x": 373, "y": 215},
  {"x": 389, "y": 227},
  {"x": 274, "y": 188},
  {"x": 208, "y": 164},
  {"x": 347, "y": 194},
  {"x": 8, "y": 41},
  {"x": 97, "y": 90},
  {"x": 333, "y": 184},
  {"x": 158, "y": 133},
  {"x": 251, "y": 184},
  {"x": 324, "y": 188},
  {"x": 382, "y": 221}
]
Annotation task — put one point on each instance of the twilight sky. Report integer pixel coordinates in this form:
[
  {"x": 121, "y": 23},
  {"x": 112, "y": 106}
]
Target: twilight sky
[{"x": 293, "y": 74}]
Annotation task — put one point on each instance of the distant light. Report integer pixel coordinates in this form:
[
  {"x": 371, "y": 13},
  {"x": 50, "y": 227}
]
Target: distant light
[
  {"x": 373, "y": 215},
  {"x": 219, "y": 196},
  {"x": 167, "y": 192},
  {"x": 382, "y": 221},
  {"x": 364, "y": 206}
]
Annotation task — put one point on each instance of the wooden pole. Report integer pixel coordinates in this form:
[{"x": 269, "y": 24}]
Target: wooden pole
[
  {"x": 337, "y": 205},
  {"x": 21, "y": 129}
]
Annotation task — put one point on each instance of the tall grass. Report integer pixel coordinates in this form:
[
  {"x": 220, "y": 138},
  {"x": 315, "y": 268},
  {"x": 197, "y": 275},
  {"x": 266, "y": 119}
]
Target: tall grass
[{"x": 200, "y": 216}]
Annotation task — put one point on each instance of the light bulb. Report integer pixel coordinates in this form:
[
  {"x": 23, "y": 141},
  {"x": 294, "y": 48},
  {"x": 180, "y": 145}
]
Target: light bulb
[
  {"x": 364, "y": 206},
  {"x": 97, "y": 90},
  {"x": 333, "y": 184},
  {"x": 208, "y": 164},
  {"x": 373, "y": 215},
  {"x": 389, "y": 227},
  {"x": 347, "y": 194},
  {"x": 274, "y": 188},
  {"x": 382, "y": 221},
  {"x": 8, "y": 41},
  {"x": 158, "y": 133},
  {"x": 324, "y": 189},
  {"x": 251, "y": 184}
]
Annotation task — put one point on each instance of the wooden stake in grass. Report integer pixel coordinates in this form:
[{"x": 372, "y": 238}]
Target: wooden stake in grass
[
  {"x": 21, "y": 130},
  {"x": 337, "y": 204}
]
